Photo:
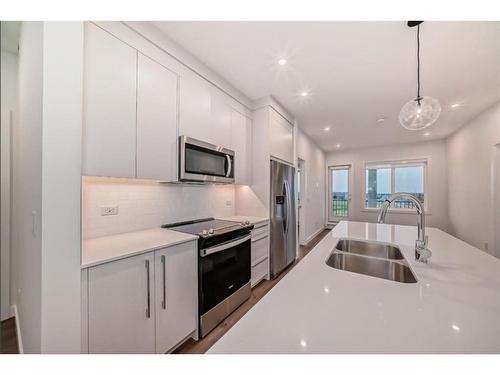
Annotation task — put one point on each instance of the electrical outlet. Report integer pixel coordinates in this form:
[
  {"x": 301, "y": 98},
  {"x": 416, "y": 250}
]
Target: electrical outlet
[
  {"x": 109, "y": 210},
  {"x": 229, "y": 203}
]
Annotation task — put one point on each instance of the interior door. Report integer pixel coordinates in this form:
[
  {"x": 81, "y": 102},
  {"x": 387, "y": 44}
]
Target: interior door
[{"x": 339, "y": 202}]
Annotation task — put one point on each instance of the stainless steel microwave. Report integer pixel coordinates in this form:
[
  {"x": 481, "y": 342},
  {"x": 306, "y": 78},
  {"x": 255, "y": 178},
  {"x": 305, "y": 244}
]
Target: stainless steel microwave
[{"x": 204, "y": 162}]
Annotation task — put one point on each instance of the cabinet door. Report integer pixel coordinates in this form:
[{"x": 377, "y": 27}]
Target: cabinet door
[
  {"x": 109, "y": 138},
  {"x": 121, "y": 306},
  {"x": 220, "y": 119},
  {"x": 194, "y": 108},
  {"x": 156, "y": 121},
  {"x": 280, "y": 137},
  {"x": 241, "y": 138},
  {"x": 176, "y": 299}
]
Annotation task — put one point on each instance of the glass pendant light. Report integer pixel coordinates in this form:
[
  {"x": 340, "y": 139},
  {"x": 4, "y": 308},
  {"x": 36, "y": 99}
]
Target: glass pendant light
[{"x": 423, "y": 111}]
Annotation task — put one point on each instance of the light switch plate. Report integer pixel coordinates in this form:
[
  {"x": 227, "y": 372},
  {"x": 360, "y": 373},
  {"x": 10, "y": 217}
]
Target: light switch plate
[{"x": 109, "y": 210}]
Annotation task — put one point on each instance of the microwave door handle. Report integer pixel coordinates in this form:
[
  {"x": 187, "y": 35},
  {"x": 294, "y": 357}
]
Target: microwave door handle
[{"x": 229, "y": 165}]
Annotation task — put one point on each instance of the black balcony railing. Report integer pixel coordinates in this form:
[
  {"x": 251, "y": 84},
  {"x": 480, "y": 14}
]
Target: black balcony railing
[
  {"x": 340, "y": 203},
  {"x": 340, "y": 207}
]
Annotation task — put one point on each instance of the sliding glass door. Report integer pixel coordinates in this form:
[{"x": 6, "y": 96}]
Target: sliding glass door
[{"x": 339, "y": 193}]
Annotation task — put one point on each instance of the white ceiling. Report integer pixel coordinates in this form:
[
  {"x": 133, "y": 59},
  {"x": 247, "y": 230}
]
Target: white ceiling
[{"x": 357, "y": 72}]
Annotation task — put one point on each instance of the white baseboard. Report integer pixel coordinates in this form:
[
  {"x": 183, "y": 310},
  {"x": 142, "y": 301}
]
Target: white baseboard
[
  {"x": 314, "y": 234},
  {"x": 18, "y": 329}
]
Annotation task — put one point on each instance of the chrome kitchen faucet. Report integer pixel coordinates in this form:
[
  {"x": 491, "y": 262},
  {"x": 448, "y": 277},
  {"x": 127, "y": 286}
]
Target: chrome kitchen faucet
[{"x": 422, "y": 253}]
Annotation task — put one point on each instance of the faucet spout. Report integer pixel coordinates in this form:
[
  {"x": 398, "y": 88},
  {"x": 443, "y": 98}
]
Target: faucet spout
[{"x": 422, "y": 253}]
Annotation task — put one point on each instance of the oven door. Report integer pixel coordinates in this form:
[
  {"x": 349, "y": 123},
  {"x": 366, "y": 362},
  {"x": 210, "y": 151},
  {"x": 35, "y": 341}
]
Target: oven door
[
  {"x": 204, "y": 162},
  {"x": 224, "y": 269}
]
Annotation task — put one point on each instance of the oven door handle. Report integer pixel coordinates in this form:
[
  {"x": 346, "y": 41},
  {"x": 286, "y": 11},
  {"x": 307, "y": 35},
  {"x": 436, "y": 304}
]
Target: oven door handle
[{"x": 224, "y": 246}]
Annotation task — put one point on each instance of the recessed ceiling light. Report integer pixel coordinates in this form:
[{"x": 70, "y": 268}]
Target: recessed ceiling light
[
  {"x": 327, "y": 129},
  {"x": 304, "y": 93},
  {"x": 381, "y": 120},
  {"x": 337, "y": 145},
  {"x": 282, "y": 61},
  {"x": 427, "y": 134},
  {"x": 456, "y": 105}
]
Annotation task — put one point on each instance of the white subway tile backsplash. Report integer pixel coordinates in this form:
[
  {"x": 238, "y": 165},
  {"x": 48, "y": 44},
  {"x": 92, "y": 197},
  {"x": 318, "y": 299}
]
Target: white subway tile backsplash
[{"x": 146, "y": 204}]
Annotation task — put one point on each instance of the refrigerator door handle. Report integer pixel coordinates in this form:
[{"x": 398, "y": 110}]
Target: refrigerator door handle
[
  {"x": 288, "y": 204},
  {"x": 285, "y": 209}
]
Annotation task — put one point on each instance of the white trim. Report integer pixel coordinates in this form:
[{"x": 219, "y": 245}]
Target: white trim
[
  {"x": 308, "y": 239},
  {"x": 350, "y": 190},
  {"x": 15, "y": 313},
  {"x": 392, "y": 165}
]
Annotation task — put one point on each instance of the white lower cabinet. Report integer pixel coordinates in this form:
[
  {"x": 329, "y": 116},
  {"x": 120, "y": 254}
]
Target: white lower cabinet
[
  {"x": 260, "y": 253},
  {"x": 118, "y": 295},
  {"x": 176, "y": 280},
  {"x": 145, "y": 303}
]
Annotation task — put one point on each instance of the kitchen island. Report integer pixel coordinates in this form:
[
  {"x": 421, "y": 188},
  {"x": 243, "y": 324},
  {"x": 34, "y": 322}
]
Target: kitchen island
[{"x": 453, "y": 308}]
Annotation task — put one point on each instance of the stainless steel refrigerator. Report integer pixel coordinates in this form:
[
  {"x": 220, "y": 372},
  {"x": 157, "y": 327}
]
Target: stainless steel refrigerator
[{"x": 282, "y": 217}]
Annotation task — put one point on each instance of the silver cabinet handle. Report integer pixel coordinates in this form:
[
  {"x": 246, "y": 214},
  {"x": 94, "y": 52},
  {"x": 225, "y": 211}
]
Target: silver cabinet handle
[
  {"x": 148, "y": 308},
  {"x": 230, "y": 165},
  {"x": 164, "y": 302}
]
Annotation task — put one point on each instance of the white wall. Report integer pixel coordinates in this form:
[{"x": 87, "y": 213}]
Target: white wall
[
  {"x": 147, "y": 204},
  {"x": 471, "y": 167},
  {"x": 46, "y": 187},
  {"x": 8, "y": 110},
  {"x": 27, "y": 186},
  {"x": 61, "y": 184},
  {"x": 313, "y": 198},
  {"x": 434, "y": 152}
]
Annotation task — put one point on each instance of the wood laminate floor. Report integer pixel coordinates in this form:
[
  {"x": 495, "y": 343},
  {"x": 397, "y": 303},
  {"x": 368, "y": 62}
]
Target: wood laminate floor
[
  {"x": 199, "y": 347},
  {"x": 8, "y": 337}
]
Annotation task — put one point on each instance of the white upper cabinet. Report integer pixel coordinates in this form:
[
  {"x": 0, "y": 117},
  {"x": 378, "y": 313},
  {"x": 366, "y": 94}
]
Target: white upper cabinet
[
  {"x": 220, "y": 119},
  {"x": 194, "y": 108},
  {"x": 176, "y": 274},
  {"x": 156, "y": 121},
  {"x": 280, "y": 137},
  {"x": 241, "y": 138},
  {"x": 109, "y": 135}
]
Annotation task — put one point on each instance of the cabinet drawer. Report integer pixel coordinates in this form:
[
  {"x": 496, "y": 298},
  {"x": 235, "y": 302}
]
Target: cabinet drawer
[
  {"x": 259, "y": 249},
  {"x": 259, "y": 271},
  {"x": 258, "y": 232}
]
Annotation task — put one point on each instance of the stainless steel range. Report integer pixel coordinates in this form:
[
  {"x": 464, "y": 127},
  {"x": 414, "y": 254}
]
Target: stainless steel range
[{"x": 224, "y": 264}]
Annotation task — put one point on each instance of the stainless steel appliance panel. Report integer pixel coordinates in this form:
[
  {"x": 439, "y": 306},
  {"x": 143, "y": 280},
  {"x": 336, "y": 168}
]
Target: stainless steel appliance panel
[{"x": 282, "y": 217}]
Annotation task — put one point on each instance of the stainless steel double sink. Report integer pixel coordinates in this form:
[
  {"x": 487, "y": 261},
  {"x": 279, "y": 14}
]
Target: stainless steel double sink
[{"x": 372, "y": 259}]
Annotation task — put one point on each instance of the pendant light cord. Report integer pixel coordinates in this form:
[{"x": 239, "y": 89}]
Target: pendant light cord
[{"x": 418, "y": 64}]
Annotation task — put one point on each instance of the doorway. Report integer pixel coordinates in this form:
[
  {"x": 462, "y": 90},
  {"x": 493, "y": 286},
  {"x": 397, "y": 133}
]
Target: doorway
[
  {"x": 339, "y": 196},
  {"x": 496, "y": 201},
  {"x": 301, "y": 200}
]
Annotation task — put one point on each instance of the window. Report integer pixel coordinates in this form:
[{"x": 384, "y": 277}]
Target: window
[{"x": 398, "y": 177}]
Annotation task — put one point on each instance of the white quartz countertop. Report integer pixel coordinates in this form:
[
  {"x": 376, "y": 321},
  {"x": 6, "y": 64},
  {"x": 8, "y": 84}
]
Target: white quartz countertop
[
  {"x": 106, "y": 249},
  {"x": 453, "y": 308},
  {"x": 252, "y": 219}
]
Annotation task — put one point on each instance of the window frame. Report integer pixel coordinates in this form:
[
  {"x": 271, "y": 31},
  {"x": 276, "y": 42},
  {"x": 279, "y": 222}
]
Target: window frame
[{"x": 393, "y": 164}]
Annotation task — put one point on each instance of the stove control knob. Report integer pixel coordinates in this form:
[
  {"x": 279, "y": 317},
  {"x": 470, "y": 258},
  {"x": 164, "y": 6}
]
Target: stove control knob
[
  {"x": 211, "y": 231},
  {"x": 204, "y": 232}
]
